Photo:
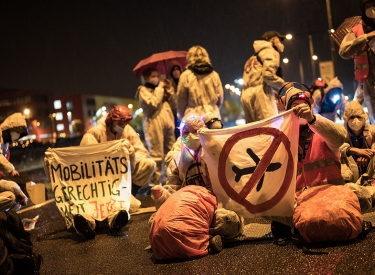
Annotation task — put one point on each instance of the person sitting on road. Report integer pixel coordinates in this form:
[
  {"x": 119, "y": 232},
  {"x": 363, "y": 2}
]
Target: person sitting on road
[
  {"x": 11, "y": 196},
  {"x": 116, "y": 126},
  {"x": 211, "y": 121},
  {"x": 319, "y": 140},
  {"x": 359, "y": 148},
  {"x": 188, "y": 168}
]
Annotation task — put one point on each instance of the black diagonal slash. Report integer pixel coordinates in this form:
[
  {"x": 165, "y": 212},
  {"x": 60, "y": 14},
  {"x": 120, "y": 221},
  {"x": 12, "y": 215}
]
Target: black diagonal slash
[{"x": 249, "y": 170}]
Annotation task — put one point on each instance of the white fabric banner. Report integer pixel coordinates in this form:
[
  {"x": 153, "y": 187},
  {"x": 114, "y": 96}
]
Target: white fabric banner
[
  {"x": 90, "y": 179},
  {"x": 252, "y": 167}
]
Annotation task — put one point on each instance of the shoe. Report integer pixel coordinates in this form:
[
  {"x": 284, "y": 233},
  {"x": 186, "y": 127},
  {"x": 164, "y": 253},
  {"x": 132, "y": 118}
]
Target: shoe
[
  {"x": 82, "y": 226},
  {"x": 119, "y": 222},
  {"x": 216, "y": 244}
]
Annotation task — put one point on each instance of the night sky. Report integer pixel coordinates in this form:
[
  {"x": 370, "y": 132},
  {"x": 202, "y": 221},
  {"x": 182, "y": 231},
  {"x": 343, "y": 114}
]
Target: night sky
[{"x": 91, "y": 47}]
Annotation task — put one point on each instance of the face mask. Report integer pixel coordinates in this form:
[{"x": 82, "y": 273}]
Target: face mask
[
  {"x": 154, "y": 81},
  {"x": 355, "y": 124},
  {"x": 280, "y": 47},
  {"x": 14, "y": 136},
  {"x": 370, "y": 12},
  {"x": 118, "y": 129},
  {"x": 192, "y": 141}
]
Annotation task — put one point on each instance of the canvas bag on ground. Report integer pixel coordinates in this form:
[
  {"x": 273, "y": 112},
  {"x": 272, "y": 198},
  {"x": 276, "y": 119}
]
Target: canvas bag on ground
[
  {"x": 328, "y": 213},
  {"x": 180, "y": 228}
]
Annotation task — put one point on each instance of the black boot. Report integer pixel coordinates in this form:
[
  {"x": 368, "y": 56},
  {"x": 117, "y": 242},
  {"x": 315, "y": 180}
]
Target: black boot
[
  {"x": 119, "y": 222},
  {"x": 83, "y": 226},
  {"x": 135, "y": 189}
]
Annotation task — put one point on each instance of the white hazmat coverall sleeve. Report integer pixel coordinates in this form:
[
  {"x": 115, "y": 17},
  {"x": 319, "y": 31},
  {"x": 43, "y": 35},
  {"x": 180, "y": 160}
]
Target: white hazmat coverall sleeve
[
  {"x": 257, "y": 97},
  {"x": 158, "y": 125}
]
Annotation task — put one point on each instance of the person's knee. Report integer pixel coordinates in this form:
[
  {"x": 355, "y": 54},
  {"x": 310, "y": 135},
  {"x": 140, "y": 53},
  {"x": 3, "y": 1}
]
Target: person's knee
[{"x": 7, "y": 199}]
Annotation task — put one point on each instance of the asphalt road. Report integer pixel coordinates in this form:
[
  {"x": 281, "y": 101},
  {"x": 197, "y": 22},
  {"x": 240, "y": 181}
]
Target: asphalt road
[{"x": 67, "y": 253}]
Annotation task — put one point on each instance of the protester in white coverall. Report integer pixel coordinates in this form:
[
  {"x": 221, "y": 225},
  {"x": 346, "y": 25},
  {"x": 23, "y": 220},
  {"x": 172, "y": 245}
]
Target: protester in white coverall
[
  {"x": 210, "y": 120},
  {"x": 156, "y": 98},
  {"x": 199, "y": 89},
  {"x": 260, "y": 76},
  {"x": 11, "y": 195},
  {"x": 318, "y": 147},
  {"x": 330, "y": 100},
  {"x": 357, "y": 154},
  {"x": 359, "y": 44},
  {"x": 190, "y": 169},
  {"x": 114, "y": 127}
]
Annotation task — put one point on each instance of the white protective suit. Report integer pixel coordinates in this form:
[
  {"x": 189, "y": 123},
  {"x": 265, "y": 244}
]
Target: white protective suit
[
  {"x": 257, "y": 97},
  {"x": 349, "y": 167},
  {"x": 158, "y": 124},
  {"x": 9, "y": 190},
  {"x": 317, "y": 95},
  {"x": 143, "y": 166},
  {"x": 349, "y": 47},
  {"x": 199, "y": 89}
]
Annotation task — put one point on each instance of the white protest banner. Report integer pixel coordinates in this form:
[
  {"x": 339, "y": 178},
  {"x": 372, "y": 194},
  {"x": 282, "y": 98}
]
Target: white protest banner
[
  {"x": 252, "y": 167},
  {"x": 90, "y": 179}
]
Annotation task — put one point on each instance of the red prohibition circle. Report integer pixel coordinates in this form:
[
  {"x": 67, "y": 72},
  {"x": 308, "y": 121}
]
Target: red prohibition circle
[{"x": 279, "y": 137}]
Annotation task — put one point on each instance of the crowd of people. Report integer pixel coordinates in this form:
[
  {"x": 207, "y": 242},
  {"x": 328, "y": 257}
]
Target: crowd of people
[{"x": 329, "y": 154}]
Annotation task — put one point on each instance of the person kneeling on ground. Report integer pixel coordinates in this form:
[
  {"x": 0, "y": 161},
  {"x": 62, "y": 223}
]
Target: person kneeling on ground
[
  {"x": 11, "y": 196},
  {"x": 189, "y": 169}
]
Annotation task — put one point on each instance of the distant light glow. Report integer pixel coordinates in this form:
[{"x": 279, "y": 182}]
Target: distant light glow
[
  {"x": 240, "y": 81},
  {"x": 227, "y": 86},
  {"x": 346, "y": 97},
  {"x": 130, "y": 106},
  {"x": 314, "y": 57},
  {"x": 332, "y": 31},
  {"x": 335, "y": 98},
  {"x": 289, "y": 36},
  {"x": 286, "y": 60}
]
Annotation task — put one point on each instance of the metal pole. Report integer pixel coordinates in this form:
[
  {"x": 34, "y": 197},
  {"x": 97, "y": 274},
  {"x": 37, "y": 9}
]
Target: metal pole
[
  {"x": 311, "y": 54},
  {"x": 301, "y": 71},
  {"x": 332, "y": 43}
]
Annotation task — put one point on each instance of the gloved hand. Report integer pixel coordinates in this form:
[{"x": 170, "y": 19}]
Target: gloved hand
[
  {"x": 156, "y": 191},
  {"x": 21, "y": 198}
]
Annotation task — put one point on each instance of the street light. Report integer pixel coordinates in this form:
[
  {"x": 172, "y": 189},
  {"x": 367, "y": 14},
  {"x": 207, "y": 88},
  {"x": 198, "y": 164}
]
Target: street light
[{"x": 52, "y": 116}]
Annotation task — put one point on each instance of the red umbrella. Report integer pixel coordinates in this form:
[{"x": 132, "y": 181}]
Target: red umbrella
[{"x": 161, "y": 62}]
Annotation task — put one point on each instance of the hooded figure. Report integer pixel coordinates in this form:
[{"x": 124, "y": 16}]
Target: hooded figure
[
  {"x": 319, "y": 142},
  {"x": 359, "y": 44},
  {"x": 11, "y": 196},
  {"x": 210, "y": 120},
  {"x": 358, "y": 150},
  {"x": 190, "y": 169},
  {"x": 199, "y": 89},
  {"x": 329, "y": 100},
  {"x": 260, "y": 76},
  {"x": 156, "y": 98},
  {"x": 116, "y": 126}
]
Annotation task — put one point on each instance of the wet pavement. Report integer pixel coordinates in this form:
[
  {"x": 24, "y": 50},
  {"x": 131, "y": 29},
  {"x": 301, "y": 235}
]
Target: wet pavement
[{"x": 68, "y": 253}]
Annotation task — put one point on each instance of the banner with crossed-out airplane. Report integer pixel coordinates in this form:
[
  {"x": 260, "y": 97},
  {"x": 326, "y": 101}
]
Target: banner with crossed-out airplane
[{"x": 252, "y": 167}]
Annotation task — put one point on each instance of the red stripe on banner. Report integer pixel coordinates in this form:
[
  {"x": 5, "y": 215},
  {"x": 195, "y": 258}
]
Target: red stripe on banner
[{"x": 279, "y": 137}]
